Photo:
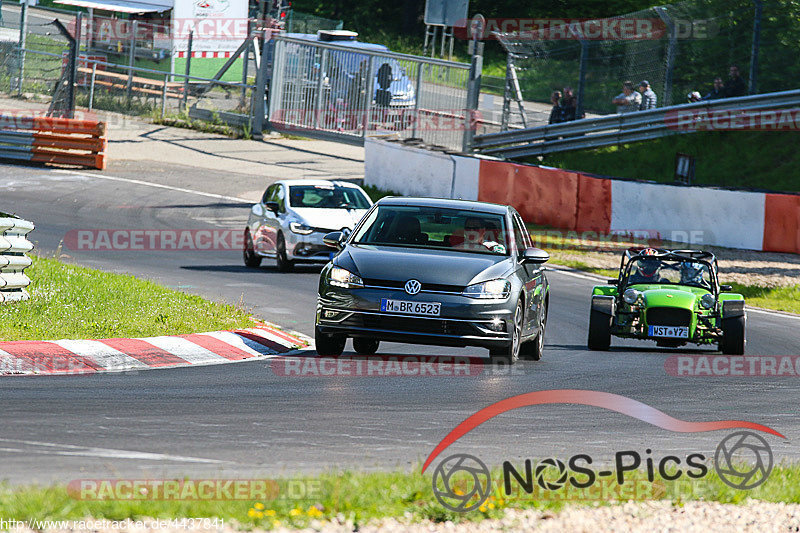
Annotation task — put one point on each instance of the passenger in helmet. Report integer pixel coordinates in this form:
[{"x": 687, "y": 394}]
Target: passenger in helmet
[{"x": 692, "y": 273}]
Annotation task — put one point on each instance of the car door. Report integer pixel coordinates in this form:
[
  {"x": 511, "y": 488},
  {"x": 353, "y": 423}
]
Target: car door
[
  {"x": 532, "y": 276},
  {"x": 264, "y": 237}
]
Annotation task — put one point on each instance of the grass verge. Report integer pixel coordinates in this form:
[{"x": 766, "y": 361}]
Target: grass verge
[
  {"x": 359, "y": 497},
  {"x": 69, "y": 301}
]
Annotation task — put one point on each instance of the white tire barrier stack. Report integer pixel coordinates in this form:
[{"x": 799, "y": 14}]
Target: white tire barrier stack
[{"x": 13, "y": 261}]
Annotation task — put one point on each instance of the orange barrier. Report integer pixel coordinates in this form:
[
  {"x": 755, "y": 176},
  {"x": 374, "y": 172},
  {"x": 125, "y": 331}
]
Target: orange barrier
[
  {"x": 541, "y": 195},
  {"x": 782, "y": 223},
  {"x": 594, "y": 204},
  {"x": 55, "y": 140}
]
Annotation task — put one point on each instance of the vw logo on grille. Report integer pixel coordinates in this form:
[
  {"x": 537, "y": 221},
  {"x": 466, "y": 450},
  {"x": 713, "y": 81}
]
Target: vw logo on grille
[{"x": 413, "y": 286}]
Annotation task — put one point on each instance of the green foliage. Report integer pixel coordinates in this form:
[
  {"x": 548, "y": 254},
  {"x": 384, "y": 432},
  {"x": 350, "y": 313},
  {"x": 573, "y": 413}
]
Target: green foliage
[{"x": 69, "y": 301}]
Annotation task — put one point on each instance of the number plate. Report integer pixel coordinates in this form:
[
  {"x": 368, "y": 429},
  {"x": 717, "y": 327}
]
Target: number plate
[
  {"x": 410, "y": 308},
  {"x": 675, "y": 332}
]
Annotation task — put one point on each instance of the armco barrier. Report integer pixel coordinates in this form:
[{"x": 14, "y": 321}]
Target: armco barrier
[
  {"x": 578, "y": 202},
  {"x": 54, "y": 140},
  {"x": 13, "y": 261}
]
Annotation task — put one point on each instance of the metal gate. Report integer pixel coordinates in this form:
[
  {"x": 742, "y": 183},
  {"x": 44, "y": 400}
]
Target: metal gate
[{"x": 347, "y": 91}]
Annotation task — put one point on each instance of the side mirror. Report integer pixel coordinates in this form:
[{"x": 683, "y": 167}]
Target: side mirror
[
  {"x": 257, "y": 210},
  {"x": 612, "y": 281},
  {"x": 725, "y": 288},
  {"x": 535, "y": 256},
  {"x": 272, "y": 206},
  {"x": 334, "y": 239}
]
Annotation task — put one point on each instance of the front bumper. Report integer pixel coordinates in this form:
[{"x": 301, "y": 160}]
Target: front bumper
[
  {"x": 462, "y": 321},
  {"x": 308, "y": 248}
]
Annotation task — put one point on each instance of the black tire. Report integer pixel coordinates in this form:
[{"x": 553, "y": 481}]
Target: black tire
[
  {"x": 533, "y": 349},
  {"x": 364, "y": 346},
  {"x": 284, "y": 265},
  {"x": 330, "y": 345},
  {"x": 251, "y": 259},
  {"x": 599, "y": 331},
  {"x": 733, "y": 335},
  {"x": 509, "y": 354}
]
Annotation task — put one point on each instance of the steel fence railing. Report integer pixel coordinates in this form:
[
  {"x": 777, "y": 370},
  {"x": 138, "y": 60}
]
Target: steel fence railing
[
  {"x": 350, "y": 92},
  {"x": 625, "y": 128}
]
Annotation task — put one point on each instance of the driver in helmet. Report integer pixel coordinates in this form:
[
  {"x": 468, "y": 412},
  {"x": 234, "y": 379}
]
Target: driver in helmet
[
  {"x": 692, "y": 273},
  {"x": 647, "y": 269}
]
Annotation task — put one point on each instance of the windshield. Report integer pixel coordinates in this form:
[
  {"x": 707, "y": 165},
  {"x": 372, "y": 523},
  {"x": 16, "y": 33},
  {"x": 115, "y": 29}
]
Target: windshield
[
  {"x": 676, "y": 272},
  {"x": 432, "y": 227},
  {"x": 324, "y": 196}
]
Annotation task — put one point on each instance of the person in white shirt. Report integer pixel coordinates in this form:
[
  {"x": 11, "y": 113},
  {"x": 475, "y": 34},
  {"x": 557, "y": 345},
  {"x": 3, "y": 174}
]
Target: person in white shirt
[{"x": 628, "y": 100}]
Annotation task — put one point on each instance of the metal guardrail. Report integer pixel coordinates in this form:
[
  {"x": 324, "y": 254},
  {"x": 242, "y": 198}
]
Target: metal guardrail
[
  {"x": 620, "y": 128},
  {"x": 13, "y": 261}
]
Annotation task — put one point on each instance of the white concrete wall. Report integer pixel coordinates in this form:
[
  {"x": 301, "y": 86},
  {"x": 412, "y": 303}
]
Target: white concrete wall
[
  {"x": 407, "y": 170},
  {"x": 689, "y": 214},
  {"x": 468, "y": 169}
]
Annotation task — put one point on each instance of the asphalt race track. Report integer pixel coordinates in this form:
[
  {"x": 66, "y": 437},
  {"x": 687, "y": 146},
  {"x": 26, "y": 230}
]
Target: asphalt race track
[{"x": 244, "y": 419}]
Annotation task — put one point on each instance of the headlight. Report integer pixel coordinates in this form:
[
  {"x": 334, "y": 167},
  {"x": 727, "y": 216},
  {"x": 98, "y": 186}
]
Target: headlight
[
  {"x": 707, "y": 301},
  {"x": 340, "y": 277},
  {"x": 300, "y": 229},
  {"x": 495, "y": 289},
  {"x": 631, "y": 296}
]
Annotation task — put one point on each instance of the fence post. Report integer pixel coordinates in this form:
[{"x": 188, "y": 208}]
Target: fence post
[
  {"x": 259, "y": 110},
  {"x": 418, "y": 96},
  {"x": 755, "y": 49},
  {"x": 320, "y": 86},
  {"x": 188, "y": 66},
  {"x": 245, "y": 61},
  {"x": 73, "y": 71},
  {"x": 582, "y": 78},
  {"x": 368, "y": 90},
  {"x": 662, "y": 13},
  {"x": 131, "y": 58},
  {"x": 164, "y": 97},
  {"x": 91, "y": 87},
  {"x": 23, "y": 33},
  {"x": 473, "y": 86}
]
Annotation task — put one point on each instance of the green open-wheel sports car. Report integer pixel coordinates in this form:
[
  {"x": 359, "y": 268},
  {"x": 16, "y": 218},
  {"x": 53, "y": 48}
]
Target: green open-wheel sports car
[{"x": 672, "y": 297}]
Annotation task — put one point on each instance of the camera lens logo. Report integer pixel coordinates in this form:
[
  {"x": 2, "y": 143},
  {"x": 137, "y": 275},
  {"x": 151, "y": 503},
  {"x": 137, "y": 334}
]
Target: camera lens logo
[
  {"x": 544, "y": 468},
  {"x": 743, "y": 460},
  {"x": 461, "y": 482}
]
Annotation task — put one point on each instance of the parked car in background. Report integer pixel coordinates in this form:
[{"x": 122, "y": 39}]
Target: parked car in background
[{"x": 292, "y": 217}]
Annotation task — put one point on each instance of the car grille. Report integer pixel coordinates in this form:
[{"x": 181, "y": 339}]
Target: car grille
[
  {"x": 412, "y": 325},
  {"x": 438, "y": 287},
  {"x": 668, "y": 316}
]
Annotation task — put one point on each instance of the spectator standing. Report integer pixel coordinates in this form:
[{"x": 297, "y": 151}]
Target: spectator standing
[
  {"x": 649, "y": 98},
  {"x": 717, "y": 92},
  {"x": 557, "y": 113},
  {"x": 735, "y": 86},
  {"x": 569, "y": 105},
  {"x": 628, "y": 100}
]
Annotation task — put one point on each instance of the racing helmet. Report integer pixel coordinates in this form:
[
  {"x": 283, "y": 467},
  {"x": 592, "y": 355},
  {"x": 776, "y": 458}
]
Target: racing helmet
[
  {"x": 691, "y": 272},
  {"x": 648, "y": 267}
]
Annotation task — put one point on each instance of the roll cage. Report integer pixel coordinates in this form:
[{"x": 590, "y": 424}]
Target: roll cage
[{"x": 696, "y": 256}]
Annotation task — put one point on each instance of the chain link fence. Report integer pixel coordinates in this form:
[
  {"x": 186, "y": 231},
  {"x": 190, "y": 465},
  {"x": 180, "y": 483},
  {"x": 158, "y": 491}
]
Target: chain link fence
[{"x": 679, "y": 48}]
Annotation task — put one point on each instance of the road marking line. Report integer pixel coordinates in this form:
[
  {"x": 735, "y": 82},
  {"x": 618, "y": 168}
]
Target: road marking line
[
  {"x": 114, "y": 453},
  {"x": 156, "y": 185}
]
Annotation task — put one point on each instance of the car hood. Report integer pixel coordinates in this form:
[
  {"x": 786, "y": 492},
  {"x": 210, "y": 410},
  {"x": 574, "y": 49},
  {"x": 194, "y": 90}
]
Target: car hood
[
  {"x": 669, "y": 297},
  {"x": 331, "y": 219},
  {"x": 441, "y": 267}
]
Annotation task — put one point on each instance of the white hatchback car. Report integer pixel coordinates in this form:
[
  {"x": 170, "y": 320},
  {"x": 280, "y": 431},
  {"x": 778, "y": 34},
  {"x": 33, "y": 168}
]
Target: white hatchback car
[{"x": 293, "y": 216}]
